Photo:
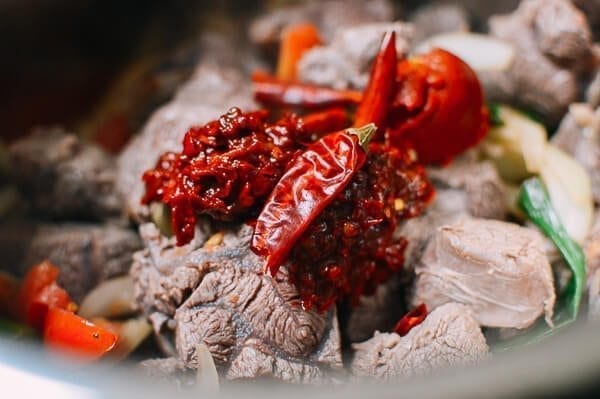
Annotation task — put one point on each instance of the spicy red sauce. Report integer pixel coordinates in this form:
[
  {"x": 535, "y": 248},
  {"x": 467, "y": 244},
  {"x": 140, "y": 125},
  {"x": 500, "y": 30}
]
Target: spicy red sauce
[
  {"x": 226, "y": 169},
  {"x": 350, "y": 248}
]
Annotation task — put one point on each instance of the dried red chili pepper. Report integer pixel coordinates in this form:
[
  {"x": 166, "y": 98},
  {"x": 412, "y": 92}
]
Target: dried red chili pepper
[
  {"x": 273, "y": 92},
  {"x": 311, "y": 182},
  {"x": 377, "y": 97},
  {"x": 226, "y": 169},
  {"x": 319, "y": 123},
  {"x": 411, "y": 320}
]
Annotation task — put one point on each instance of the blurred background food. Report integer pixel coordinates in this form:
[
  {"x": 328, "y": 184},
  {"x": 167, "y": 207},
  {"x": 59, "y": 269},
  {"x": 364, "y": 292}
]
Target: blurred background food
[{"x": 95, "y": 65}]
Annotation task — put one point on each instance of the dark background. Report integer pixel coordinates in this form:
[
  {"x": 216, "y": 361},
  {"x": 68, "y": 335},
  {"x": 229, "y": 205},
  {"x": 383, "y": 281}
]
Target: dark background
[{"x": 59, "y": 57}]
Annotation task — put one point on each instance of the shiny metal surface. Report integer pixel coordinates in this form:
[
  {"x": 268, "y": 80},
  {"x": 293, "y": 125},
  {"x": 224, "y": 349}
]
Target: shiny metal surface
[{"x": 560, "y": 366}]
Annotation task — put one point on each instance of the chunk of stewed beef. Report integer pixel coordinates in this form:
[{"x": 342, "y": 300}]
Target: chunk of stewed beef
[
  {"x": 449, "y": 336},
  {"x": 214, "y": 292},
  {"x": 64, "y": 178},
  {"x": 86, "y": 254},
  {"x": 498, "y": 269}
]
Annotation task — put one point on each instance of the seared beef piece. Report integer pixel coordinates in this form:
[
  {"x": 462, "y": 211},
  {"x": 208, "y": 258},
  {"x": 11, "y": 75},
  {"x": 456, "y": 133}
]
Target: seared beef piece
[
  {"x": 579, "y": 135},
  {"x": 472, "y": 186},
  {"x": 592, "y": 262},
  {"x": 380, "y": 311},
  {"x": 346, "y": 61},
  {"x": 591, "y": 247},
  {"x": 218, "y": 295},
  {"x": 86, "y": 254},
  {"x": 594, "y": 296},
  {"x": 168, "y": 370},
  {"x": 420, "y": 230},
  {"x": 591, "y": 9},
  {"x": 480, "y": 11},
  {"x": 592, "y": 94},
  {"x": 437, "y": 18},
  {"x": 449, "y": 336},
  {"x": 328, "y": 16},
  {"x": 464, "y": 188},
  {"x": 552, "y": 39},
  {"x": 64, "y": 178},
  {"x": 211, "y": 91},
  {"x": 499, "y": 269}
]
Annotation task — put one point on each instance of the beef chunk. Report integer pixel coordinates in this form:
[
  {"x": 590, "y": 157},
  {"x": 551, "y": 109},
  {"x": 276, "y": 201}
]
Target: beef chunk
[
  {"x": 470, "y": 186},
  {"x": 480, "y": 11},
  {"x": 211, "y": 91},
  {"x": 592, "y": 94},
  {"x": 329, "y": 15},
  {"x": 346, "y": 62},
  {"x": 464, "y": 188},
  {"x": 592, "y": 248},
  {"x": 591, "y": 9},
  {"x": 64, "y": 178},
  {"x": 579, "y": 135},
  {"x": 86, "y": 254},
  {"x": 552, "y": 37},
  {"x": 449, "y": 336},
  {"x": 379, "y": 311},
  {"x": 216, "y": 294},
  {"x": 499, "y": 269},
  {"x": 594, "y": 296},
  {"x": 434, "y": 19}
]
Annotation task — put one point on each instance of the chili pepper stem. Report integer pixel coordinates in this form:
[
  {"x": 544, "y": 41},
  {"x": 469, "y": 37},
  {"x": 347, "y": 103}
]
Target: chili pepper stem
[{"x": 364, "y": 134}]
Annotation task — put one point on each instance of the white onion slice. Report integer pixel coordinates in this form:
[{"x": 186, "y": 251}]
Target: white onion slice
[
  {"x": 481, "y": 52},
  {"x": 517, "y": 147},
  {"x": 570, "y": 190},
  {"x": 111, "y": 298},
  {"x": 207, "y": 378},
  {"x": 131, "y": 334}
]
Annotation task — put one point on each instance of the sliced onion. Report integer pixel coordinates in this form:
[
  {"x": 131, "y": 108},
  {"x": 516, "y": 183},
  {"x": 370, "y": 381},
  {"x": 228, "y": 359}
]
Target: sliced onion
[
  {"x": 131, "y": 334},
  {"x": 111, "y": 298},
  {"x": 207, "y": 378},
  {"x": 517, "y": 147},
  {"x": 570, "y": 190},
  {"x": 481, "y": 52}
]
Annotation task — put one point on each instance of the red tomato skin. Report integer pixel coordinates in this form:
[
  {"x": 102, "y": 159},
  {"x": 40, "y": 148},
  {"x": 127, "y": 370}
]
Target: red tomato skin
[
  {"x": 68, "y": 333},
  {"x": 38, "y": 292},
  {"x": 439, "y": 107},
  {"x": 50, "y": 296}
]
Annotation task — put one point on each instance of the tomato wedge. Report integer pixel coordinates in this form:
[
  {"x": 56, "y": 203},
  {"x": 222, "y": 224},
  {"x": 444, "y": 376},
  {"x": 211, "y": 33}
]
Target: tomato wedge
[
  {"x": 68, "y": 333},
  {"x": 39, "y": 291},
  {"x": 51, "y": 296}
]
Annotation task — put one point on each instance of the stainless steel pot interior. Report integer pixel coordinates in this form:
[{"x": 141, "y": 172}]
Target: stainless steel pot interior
[{"x": 563, "y": 365}]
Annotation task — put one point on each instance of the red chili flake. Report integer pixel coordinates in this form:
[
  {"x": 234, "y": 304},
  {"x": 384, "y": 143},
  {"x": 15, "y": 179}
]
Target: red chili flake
[
  {"x": 350, "y": 248},
  {"x": 411, "y": 319},
  {"x": 226, "y": 169}
]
